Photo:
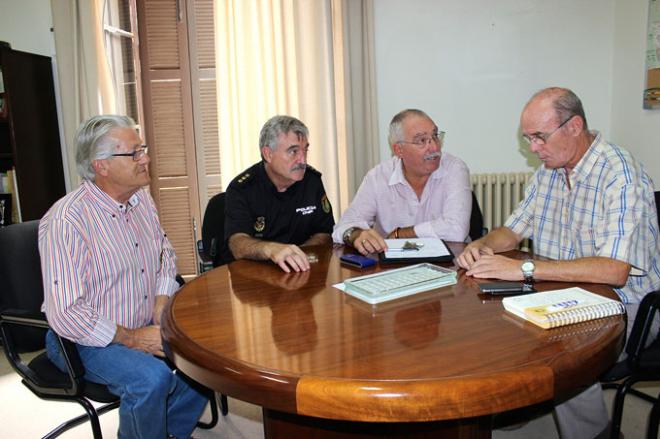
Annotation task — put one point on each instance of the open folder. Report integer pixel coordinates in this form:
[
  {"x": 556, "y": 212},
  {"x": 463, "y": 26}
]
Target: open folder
[{"x": 416, "y": 250}]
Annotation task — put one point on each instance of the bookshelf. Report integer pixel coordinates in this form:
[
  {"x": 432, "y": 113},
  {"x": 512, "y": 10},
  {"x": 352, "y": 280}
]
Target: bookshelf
[{"x": 29, "y": 131}]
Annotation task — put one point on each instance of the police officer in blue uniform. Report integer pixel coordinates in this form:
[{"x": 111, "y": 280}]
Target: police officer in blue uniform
[{"x": 279, "y": 204}]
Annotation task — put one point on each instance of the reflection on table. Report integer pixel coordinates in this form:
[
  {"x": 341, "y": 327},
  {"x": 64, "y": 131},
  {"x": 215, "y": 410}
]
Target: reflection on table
[{"x": 438, "y": 361}]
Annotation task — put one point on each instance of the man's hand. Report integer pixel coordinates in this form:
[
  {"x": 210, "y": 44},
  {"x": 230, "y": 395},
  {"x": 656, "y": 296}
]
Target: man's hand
[
  {"x": 496, "y": 267},
  {"x": 146, "y": 339},
  {"x": 159, "y": 306},
  {"x": 287, "y": 256},
  {"x": 368, "y": 241},
  {"x": 472, "y": 253}
]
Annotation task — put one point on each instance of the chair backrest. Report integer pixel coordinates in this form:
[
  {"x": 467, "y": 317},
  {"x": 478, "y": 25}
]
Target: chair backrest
[
  {"x": 476, "y": 220},
  {"x": 213, "y": 228},
  {"x": 20, "y": 277},
  {"x": 657, "y": 205}
]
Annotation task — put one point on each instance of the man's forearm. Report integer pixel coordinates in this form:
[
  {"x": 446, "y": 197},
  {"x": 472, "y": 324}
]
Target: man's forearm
[
  {"x": 243, "y": 246},
  {"x": 501, "y": 239},
  {"x": 318, "y": 239},
  {"x": 594, "y": 269}
]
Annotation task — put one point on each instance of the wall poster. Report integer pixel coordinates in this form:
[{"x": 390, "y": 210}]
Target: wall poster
[{"x": 652, "y": 89}]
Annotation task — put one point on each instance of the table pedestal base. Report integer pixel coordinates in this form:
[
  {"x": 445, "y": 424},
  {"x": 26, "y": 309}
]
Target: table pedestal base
[{"x": 279, "y": 425}]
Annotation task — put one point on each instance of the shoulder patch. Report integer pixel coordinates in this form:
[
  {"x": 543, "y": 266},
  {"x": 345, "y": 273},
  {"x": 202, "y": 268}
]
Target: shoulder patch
[{"x": 325, "y": 203}]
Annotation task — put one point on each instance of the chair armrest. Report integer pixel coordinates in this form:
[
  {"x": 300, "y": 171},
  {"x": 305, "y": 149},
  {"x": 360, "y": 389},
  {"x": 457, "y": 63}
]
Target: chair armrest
[
  {"x": 641, "y": 330},
  {"x": 24, "y": 318},
  {"x": 205, "y": 259},
  {"x": 14, "y": 317}
]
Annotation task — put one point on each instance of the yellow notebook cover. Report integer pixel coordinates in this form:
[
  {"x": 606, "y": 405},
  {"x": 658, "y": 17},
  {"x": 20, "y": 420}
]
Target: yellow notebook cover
[{"x": 551, "y": 309}]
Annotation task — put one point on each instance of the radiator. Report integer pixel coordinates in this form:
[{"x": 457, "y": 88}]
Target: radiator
[{"x": 498, "y": 194}]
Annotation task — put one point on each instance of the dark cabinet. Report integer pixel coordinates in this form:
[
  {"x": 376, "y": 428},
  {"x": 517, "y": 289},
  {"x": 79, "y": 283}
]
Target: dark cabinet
[{"x": 29, "y": 131}]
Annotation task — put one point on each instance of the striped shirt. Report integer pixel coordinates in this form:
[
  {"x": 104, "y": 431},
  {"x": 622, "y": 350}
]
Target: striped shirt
[
  {"x": 103, "y": 263},
  {"x": 609, "y": 211}
]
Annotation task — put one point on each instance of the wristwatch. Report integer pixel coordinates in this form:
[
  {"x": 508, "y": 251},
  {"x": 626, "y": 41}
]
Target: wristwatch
[
  {"x": 528, "y": 268},
  {"x": 346, "y": 237}
]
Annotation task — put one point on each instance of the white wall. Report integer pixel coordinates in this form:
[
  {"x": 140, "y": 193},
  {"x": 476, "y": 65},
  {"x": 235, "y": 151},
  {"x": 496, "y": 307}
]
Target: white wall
[
  {"x": 25, "y": 24},
  {"x": 473, "y": 64},
  {"x": 633, "y": 127}
]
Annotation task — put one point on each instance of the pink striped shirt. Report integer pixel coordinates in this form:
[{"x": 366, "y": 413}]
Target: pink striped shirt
[{"x": 103, "y": 264}]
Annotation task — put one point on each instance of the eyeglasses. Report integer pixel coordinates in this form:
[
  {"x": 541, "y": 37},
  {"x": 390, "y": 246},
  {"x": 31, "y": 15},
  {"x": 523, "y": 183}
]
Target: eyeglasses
[
  {"x": 541, "y": 138},
  {"x": 137, "y": 154},
  {"x": 424, "y": 141}
]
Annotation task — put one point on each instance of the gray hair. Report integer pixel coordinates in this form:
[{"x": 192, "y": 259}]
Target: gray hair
[
  {"x": 565, "y": 103},
  {"x": 94, "y": 143},
  {"x": 277, "y": 125},
  {"x": 396, "y": 125}
]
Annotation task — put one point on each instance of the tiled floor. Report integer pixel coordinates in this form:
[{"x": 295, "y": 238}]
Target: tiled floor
[{"x": 23, "y": 415}]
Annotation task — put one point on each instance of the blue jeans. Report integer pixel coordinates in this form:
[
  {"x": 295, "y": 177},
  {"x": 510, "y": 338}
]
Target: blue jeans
[{"x": 154, "y": 400}]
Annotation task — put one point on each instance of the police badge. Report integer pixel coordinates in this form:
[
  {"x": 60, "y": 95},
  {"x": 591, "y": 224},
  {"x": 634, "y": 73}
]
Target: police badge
[
  {"x": 260, "y": 224},
  {"x": 325, "y": 203}
]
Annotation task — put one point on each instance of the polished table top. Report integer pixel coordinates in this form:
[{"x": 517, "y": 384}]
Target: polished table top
[{"x": 294, "y": 343}]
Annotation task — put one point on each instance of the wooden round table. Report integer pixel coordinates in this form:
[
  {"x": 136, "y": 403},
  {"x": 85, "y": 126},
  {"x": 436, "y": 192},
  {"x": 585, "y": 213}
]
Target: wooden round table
[{"x": 324, "y": 364}]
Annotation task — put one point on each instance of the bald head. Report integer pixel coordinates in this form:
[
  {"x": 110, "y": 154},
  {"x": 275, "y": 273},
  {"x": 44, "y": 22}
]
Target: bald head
[
  {"x": 560, "y": 103},
  {"x": 554, "y": 124}
]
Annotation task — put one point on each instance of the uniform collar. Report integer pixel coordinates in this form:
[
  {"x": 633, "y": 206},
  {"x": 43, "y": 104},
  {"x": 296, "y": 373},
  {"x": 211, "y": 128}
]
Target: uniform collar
[{"x": 271, "y": 186}]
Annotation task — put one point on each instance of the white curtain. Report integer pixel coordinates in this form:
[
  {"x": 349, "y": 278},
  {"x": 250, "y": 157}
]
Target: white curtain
[
  {"x": 307, "y": 58},
  {"x": 83, "y": 74}
]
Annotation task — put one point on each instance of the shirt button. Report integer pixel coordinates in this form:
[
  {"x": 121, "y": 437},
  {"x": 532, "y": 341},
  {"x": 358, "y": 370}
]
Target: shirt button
[
  {"x": 136, "y": 244},
  {"x": 143, "y": 270},
  {"x": 145, "y": 297}
]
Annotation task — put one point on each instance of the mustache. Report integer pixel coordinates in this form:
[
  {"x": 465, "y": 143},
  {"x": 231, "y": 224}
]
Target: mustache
[
  {"x": 433, "y": 155},
  {"x": 299, "y": 167}
]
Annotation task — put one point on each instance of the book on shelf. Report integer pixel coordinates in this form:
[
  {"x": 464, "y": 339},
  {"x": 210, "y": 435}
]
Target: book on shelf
[{"x": 551, "y": 309}]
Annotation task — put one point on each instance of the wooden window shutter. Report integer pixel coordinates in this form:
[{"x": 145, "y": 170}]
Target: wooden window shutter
[
  {"x": 202, "y": 60},
  {"x": 169, "y": 129}
]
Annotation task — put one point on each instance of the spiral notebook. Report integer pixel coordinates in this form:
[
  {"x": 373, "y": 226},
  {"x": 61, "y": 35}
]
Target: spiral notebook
[{"x": 551, "y": 309}]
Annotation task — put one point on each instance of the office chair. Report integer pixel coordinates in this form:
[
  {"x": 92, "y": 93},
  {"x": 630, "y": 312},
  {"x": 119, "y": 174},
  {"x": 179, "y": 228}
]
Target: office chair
[
  {"x": 209, "y": 248},
  {"x": 477, "y": 229},
  {"x": 641, "y": 364},
  {"x": 23, "y": 327}
]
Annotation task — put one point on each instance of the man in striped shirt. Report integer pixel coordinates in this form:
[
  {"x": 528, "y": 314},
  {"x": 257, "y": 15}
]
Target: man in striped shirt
[
  {"x": 108, "y": 272},
  {"x": 590, "y": 209}
]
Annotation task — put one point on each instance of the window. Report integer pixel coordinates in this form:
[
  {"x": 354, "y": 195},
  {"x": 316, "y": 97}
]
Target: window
[{"x": 120, "y": 29}]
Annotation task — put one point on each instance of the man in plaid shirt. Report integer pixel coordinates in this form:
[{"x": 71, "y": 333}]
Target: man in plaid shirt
[{"x": 591, "y": 209}]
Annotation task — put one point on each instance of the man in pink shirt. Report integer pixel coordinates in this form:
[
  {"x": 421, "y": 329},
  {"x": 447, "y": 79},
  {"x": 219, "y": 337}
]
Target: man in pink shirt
[{"x": 419, "y": 192}]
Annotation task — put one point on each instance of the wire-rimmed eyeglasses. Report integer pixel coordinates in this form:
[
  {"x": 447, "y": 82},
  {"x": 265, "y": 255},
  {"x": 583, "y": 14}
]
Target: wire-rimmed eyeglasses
[
  {"x": 541, "y": 138},
  {"x": 424, "y": 141},
  {"x": 137, "y": 154}
]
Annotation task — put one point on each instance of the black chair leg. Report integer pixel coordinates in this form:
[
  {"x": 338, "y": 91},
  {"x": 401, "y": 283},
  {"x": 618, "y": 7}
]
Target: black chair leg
[
  {"x": 224, "y": 406},
  {"x": 91, "y": 415},
  {"x": 214, "y": 413},
  {"x": 654, "y": 420},
  {"x": 617, "y": 411}
]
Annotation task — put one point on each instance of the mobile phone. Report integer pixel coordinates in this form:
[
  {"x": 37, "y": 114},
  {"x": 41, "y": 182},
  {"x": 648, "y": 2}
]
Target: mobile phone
[
  {"x": 506, "y": 288},
  {"x": 358, "y": 261}
]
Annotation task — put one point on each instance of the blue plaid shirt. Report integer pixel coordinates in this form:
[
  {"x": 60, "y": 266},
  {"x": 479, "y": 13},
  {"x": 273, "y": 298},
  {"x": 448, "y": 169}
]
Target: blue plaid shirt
[{"x": 609, "y": 211}]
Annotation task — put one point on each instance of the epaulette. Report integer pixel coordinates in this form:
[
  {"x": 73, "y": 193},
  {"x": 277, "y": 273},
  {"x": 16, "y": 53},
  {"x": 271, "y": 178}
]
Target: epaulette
[
  {"x": 244, "y": 178},
  {"x": 313, "y": 170}
]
